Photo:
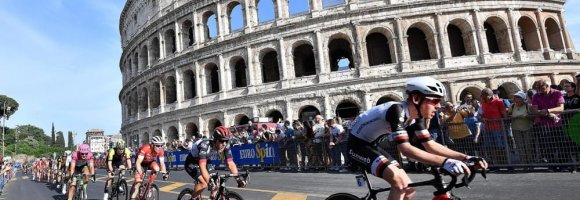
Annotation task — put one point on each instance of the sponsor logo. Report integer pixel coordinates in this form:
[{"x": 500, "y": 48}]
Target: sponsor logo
[{"x": 359, "y": 157}]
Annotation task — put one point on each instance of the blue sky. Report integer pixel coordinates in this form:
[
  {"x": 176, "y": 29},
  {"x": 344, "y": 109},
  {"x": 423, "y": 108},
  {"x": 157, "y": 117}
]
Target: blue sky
[{"x": 60, "y": 60}]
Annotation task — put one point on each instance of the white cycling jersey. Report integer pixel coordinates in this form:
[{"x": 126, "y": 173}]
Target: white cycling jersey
[{"x": 68, "y": 160}]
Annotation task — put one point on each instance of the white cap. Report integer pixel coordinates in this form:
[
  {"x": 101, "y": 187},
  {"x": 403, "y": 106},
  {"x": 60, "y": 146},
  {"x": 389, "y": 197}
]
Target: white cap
[{"x": 522, "y": 95}]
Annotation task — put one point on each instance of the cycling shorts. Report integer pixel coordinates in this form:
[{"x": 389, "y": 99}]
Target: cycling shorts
[
  {"x": 369, "y": 157},
  {"x": 192, "y": 167},
  {"x": 81, "y": 168}
]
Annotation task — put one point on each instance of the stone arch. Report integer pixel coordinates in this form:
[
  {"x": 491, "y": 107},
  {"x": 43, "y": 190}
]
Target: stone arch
[
  {"x": 170, "y": 42},
  {"x": 276, "y": 115},
  {"x": 172, "y": 134},
  {"x": 554, "y": 34},
  {"x": 461, "y": 40},
  {"x": 212, "y": 78},
  {"x": 187, "y": 35},
  {"x": 143, "y": 100},
  {"x": 145, "y": 139},
  {"x": 157, "y": 132},
  {"x": 298, "y": 7},
  {"x": 347, "y": 109},
  {"x": 209, "y": 25},
  {"x": 236, "y": 19},
  {"x": 507, "y": 90},
  {"x": 189, "y": 87},
  {"x": 529, "y": 34},
  {"x": 155, "y": 48},
  {"x": 474, "y": 90},
  {"x": 191, "y": 130},
  {"x": 307, "y": 113},
  {"x": 241, "y": 119},
  {"x": 497, "y": 34},
  {"x": 379, "y": 46},
  {"x": 421, "y": 42},
  {"x": 388, "y": 98},
  {"x": 155, "y": 94},
  {"x": 340, "y": 52},
  {"x": 170, "y": 90},
  {"x": 265, "y": 11},
  {"x": 212, "y": 124},
  {"x": 239, "y": 69},
  {"x": 304, "y": 59},
  {"x": 269, "y": 65},
  {"x": 143, "y": 58}
]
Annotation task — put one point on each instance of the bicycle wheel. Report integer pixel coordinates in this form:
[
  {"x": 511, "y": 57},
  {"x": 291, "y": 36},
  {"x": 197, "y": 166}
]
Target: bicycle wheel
[
  {"x": 343, "y": 196},
  {"x": 153, "y": 193},
  {"x": 233, "y": 195},
  {"x": 123, "y": 195},
  {"x": 186, "y": 194}
]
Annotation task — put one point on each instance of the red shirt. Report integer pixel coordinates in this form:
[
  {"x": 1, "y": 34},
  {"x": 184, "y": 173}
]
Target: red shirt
[
  {"x": 148, "y": 154},
  {"x": 492, "y": 110}
]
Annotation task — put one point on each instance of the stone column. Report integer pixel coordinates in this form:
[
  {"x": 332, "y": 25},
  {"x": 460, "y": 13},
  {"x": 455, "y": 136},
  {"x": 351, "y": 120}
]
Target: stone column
[
  {"x": 161, "y": 96},
  {"x": 327, "y": 108},
  {"x": 289, "y": 111},
  {"x": 352, "y": 4},
  {"x": 525, "y": 81},
  {"x": 569, "y": 46},
  {"x": 201, "y": 127},
  {"x": 282, "y": 10},
  {"x": 162, "y": 53},
  {"x": 451, "y": 91},
  {"x": 220, "y": 21},
  {"x": 542, "y": 30},
  {"x": 517, "y": 41},
  {"x": 250, "y": 69},
  {"x": 358, "y": 51},
  {"x": 367, "y": 101},
  {"x": 223, "y": 76},
  {"x": 403, "y": 51},
  {"x": 180, "y": 131},
  {"x": 199, "y": 82},
  {"x": 248, "y": 16},
  {"x": 442, "y": 40},
  {"x": 284, "y": 71},
  {"x": 481, "y": 37},
  {"x": 553, "y": 78},
  {"x": 178, "y": 89},
  {"x": 178, "y": 39},
  {"x": 490, "y": 83},
  {"x": 197, "y": 28},
  {"x": 316, "y": 7},
  {"x": 322, "y": 69}
]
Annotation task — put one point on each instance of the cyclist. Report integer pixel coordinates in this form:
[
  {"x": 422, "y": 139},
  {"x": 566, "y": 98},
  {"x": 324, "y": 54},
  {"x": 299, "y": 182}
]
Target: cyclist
[
  {"x": 65, "y": 167},
  {"x": 118, "y": 157},
  {"x": 196, "y": 161},
  {"x": 82, "y": 162},
  {"x": 147, "y": 155},
  {"x": 391, "y": 122},
  {"x": 62, "y": 164}
]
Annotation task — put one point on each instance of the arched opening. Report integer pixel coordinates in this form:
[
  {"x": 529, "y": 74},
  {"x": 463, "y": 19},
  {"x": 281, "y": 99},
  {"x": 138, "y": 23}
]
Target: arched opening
[
  {"x": 143, "y": 58},
  {"x": 172, "y": 134},
  {"x": 210, "y": 26},
  {"x": 347, "y": 110},
  {"x": 461, "y": 38},
  {"x": 241, "y": 119},
  {"x": 235, "y": 17},
  {"x": 189, "y": 84},
  {"x": 418, "y": 44},
  {"x": 157, "y": 132},
  {"x": 298, "y": 7},
  {"x": 191, "y": 130},
  {"x": 378, "y": 51},
  {"x": 155, "y": 91},
  {"x": 304, "y": 63},
  {"x": 240, "y": 73},
  {"x": 155, "y": 49},
  {"x": 270, "y": 70},
  {"x": 474, "y": 91},
  {"x": 212, "y": 78},
  {"x": 145, "y": 138},
  {"x": 187, "y": 33},
  {"x": 529, "y": 34},
  {"x": 507, "y": 90},
  {"x": 497, "y": 34},
  {"x": 308, "y": 113},
  {"x": 170, "y": 46},
  {"x": 143, "y": 100},
  {"x": 340, "y": 54},
  {"x": 455, "y": 41},
  {"x": 275, "y": 115},
  {"x": 265, "y": 11},
  {"x": 386, "y": 99},
  {"x": 332, "y": 3},
  {"x": 170, "y": 90},
  {"x": 554, "y": 35},
  {"x": 212, "y": 124}
]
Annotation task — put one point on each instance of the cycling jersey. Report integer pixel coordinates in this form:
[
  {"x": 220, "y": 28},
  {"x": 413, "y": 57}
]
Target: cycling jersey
[
  {"x": 118, "y": 159},
  {"x": 80, "y": 163},
  {"x": 148, "y": 154},
  {"x": 200, "y": 153}
]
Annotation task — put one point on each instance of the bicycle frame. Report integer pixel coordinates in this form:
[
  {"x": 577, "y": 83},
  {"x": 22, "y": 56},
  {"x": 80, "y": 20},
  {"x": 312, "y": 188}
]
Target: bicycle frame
[{"x": 152, "y": 178}]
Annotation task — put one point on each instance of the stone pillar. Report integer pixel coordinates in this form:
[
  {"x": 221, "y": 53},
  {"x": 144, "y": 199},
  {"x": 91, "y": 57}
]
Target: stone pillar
[
  {"x": 327, "y": 108},
  {"x": 358, "y": 51},
  {"x": 367, "y": 101},
  {"x": 403, "y": 51},
  {"x": 569, "y": 46},
  {"x": 222, "y": 75},
  {"x": 542, "y": 30},
  {"x": 480, "y": 33},
  {"x": 201, "y": 127},
  {"x": 442, "y": 40},
  {"x": 284, "y": 72},
  {"x": 517, "y": 41},
  {"x": 352, "y": 4},
  {"x": 161, "y": 96},
  {"x": 250, "y": 69},
  {"x": 289, "y": 111},
  {"x": 451, "y": 91},
  {"x": 248, "y": 16},
  {"x": 322, "y": 69},
  {"x": 282, "y": 10},
  {"x": 553, "y": 78},
  {"x": 178, "y": 89},
  {"x": 525, "y": 81},
  {"x": 180, "y": 131},
  {"x": 197, "y": 28},
  {"x": 199, "y": 82},
  {"x": 316, "y": 7},
  {"x": 220, "y": 21},
  {"x": 178, "y": 39},
  {"x": 490, "y": 83},
  {"x": 162, "y": 53}
]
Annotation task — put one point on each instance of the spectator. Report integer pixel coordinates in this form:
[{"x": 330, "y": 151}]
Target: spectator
[
  {"x": 521, "y": 125},
  {"x": 548, "y": 126},
  {"x": 458, "y": 131},
  {"x": 281, "y": 139},
  {"x": 300, "y": 138},
  {"x": 493, "y": 109},
  {"x": 318, "y": 128},
  {"x": 336, "y": 132},
  {"x": 469, "y": 110},
  {"x": 571, "y": 99},
  {"x": 291, "y": 144}
]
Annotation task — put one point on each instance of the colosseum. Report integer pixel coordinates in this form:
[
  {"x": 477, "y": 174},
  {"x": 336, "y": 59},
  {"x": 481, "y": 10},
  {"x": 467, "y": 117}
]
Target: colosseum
[{"x": 186, "y": 68}]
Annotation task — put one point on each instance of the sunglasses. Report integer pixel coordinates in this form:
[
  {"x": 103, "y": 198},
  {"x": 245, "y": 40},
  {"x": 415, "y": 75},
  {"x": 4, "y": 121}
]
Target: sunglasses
[
  {"x": 434, "y": 101},
  {"x": 223, "y": 141},
  {"x": 158, "y": 145},
  {"x": 84, "y": 154}
]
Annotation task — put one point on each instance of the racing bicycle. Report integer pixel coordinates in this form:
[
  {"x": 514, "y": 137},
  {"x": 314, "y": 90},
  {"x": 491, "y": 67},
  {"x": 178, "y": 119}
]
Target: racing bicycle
[
  {"x": 148, "y": 190},
  {"x": 119, "y": 187},
  {"x": 219, "y": 181}
]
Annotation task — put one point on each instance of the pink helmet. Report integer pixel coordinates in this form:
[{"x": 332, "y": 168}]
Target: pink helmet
[{"x": 84, "y": 148}]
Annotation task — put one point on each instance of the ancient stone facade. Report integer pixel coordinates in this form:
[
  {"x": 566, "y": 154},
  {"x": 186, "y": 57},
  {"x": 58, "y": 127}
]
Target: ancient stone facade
[{"x": 334, "y": 60}]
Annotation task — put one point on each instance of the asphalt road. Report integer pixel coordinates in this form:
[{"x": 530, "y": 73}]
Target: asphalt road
[{"x": 311, "y": 186}]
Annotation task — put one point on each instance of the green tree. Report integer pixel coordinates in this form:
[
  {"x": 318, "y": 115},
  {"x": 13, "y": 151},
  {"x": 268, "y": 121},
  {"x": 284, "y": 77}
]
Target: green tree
[
  {"x": 70, "y": 140},
  {"x": 9, "y": 103},
  {"x": 60, "y": 140},
  {"x": 52, "y": 139}
]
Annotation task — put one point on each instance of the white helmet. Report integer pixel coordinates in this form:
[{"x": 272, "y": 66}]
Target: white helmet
[
  {"x": 427, "y": 86},
  {"x": 157, "y": 140}
]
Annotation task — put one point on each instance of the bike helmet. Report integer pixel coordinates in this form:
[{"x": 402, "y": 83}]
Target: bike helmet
[
  {"x": 221, "y": 133},
  {"x": 84, "y": 148},
  {"x": 157, "y": 140},
  {"x": 427, "y": 86},
  {"x": 120, "y": 144}
]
